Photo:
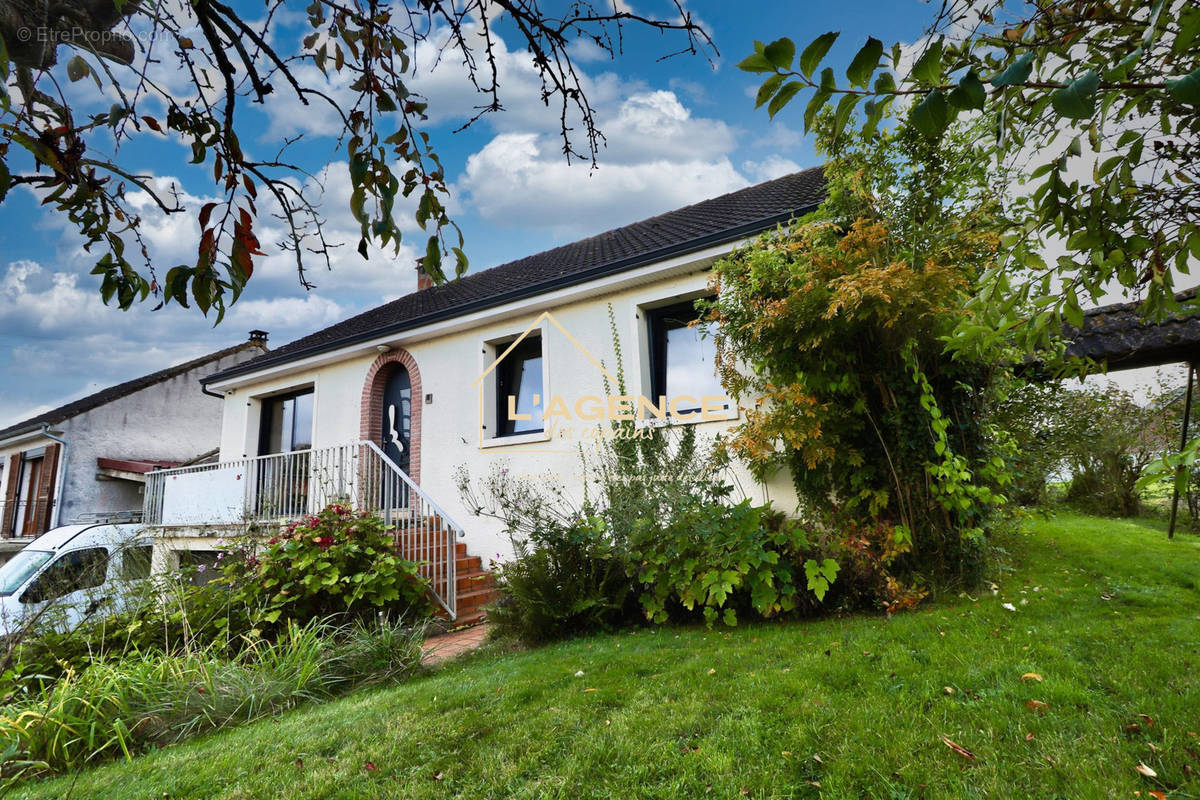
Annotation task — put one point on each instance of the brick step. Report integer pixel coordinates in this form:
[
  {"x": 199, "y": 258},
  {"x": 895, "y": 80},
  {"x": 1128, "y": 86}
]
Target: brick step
[
  {"x": 467, "y": 620},
  {"x": 468, "y": 601},
  {"x": 466, "y": 564},
  {"x": 426, "y": 553},
  {"x": 474, "y": 579},
  {"x": 439, "y": 542}
]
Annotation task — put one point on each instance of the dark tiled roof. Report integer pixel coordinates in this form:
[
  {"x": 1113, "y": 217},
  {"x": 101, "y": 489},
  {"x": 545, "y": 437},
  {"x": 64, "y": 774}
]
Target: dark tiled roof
[
  {"x": 721, "y": 219},
  {"x": 1122, "y": 337},
  {"x": 103, "y": 396}
]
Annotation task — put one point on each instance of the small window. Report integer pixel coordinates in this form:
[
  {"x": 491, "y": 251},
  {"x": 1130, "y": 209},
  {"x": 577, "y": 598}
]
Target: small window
[
  {"x": 287, "y": 423},
  {"x": 135, "y": 562},
  {"x": 519, "y": 388},
  {"x": 74, "y": 571},
  {"x": 683, "y": 356}
]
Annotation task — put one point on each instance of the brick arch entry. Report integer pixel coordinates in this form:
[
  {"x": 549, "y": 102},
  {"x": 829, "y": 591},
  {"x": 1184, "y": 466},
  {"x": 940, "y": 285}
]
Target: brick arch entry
[{"x": 372, "y": 404}]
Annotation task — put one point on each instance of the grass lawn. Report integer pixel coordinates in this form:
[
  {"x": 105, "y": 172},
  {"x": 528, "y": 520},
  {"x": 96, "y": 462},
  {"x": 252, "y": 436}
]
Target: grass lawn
[{"x": 1107, "y": 612}]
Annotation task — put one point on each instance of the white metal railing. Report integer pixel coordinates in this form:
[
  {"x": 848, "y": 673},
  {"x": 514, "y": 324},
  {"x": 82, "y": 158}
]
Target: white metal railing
[{"x": 286, "y": 486}]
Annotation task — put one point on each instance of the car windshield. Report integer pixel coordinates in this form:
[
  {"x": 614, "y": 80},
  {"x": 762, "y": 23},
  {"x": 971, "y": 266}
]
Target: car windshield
[{"x": 17, "y": 569}]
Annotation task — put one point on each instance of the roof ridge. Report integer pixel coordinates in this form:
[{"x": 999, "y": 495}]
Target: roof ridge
[{"x": 707, "y": 222}]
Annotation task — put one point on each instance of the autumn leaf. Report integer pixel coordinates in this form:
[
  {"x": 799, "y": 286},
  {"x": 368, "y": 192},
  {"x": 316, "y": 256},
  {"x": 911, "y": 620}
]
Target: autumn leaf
[
  {"x": 1031, "y": 676},
  {"x": 370, "y": 766},
  {"x": 958, "y": 748},
  {"x": 1146, "y": 771},
  {"x": 1035, "y": 705}
]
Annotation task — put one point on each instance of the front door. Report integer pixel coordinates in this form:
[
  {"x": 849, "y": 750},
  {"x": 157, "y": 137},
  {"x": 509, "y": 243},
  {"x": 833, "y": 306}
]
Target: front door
[
  {"x": 396, "y": 436},
  {"x": 396, "y": 430}
]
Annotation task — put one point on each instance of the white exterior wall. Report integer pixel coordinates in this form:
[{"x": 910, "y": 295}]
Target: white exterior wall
[
  {"x": 448, "y": 365},
  {"x": 170, "y": 421}
]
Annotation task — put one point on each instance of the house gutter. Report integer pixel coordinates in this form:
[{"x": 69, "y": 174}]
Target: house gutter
[
  {"x": 61, "y": 480},
  {"x": 520, "y": 293}
]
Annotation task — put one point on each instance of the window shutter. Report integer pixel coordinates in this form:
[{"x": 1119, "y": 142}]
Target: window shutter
[
  {"x": 46, "y": 487},
  {"x": 10, "y": 494}
]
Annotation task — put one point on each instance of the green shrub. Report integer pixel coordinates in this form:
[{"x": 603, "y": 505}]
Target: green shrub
[
  {"x": 567, "y": 580},
  {"x": 833, "y": 333},
  {"x": 337, "y": 562},
  {"x": 567, "y": 575},
  {"x": 719, "y": 558}
]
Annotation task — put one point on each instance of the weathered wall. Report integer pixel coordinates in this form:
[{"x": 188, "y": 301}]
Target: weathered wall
[{"x": 448, "y": 366}]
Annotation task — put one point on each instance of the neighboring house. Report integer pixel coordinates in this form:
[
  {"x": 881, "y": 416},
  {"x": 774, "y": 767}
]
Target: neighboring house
[
  {"x": 91, "y": 456},
  {"x": 382, "y": 408}
]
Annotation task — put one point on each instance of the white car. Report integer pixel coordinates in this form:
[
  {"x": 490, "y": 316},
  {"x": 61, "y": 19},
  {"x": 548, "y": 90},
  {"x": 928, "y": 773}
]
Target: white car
[{"x": 71, "y": 574}]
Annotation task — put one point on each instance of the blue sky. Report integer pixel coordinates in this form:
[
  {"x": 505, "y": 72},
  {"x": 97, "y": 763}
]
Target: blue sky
[{"x": 678, "y": 131}]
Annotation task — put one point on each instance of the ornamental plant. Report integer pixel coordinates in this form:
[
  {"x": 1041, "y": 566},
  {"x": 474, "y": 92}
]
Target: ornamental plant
[
  {"x": 337, "y": 562},
  {"x": 833, "y": 334},
  {"x": 719, "y": 558}
]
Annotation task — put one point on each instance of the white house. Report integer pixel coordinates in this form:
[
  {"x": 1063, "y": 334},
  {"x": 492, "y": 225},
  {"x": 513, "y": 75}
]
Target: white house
[
  {"x": 91, "y": 455},
  {"x": 502, "y": 364}
]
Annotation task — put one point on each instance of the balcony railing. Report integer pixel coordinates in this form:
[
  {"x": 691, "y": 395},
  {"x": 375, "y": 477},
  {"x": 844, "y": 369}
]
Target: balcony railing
[{"x": 277, "y": 488}]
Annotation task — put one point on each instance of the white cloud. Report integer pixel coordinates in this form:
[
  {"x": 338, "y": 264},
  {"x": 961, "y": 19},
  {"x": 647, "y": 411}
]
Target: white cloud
[
  {"x": 517, "y": 181},
  {"x": 659, "y": 156},
  {"x": 68, "y": 343},
  {"x": 769, "y": 168}
]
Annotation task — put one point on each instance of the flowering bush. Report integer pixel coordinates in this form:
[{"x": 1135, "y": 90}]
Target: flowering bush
[{"x": 336, "y": 562}]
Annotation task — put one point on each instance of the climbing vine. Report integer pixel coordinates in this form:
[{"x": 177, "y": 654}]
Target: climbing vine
[{"x": 833, "y": 333}]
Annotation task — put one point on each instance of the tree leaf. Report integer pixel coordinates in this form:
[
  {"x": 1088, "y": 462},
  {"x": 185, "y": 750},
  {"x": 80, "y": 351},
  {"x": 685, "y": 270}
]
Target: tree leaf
[
  {"x": 1077, "y": 100},
  {"x": 810, "y": 59},
  {"x": 958, "y": 748},
  {"x": 1186, "y": 89},
  {"x": 780, "y": 53},
  {"x": 928, "y": 69},
  {"x": 5, "y": 180},
  {"x": 865, "y": 63},
  {"x": 784, "y": 97},
  {"x": 931, "y": 115},
  {"x": 819, "y": 98},
  {"x": 969, "y": 94},
  {"x": 1016, "y": 72},
  {"x": 845, "y": 107},
  {"x": 756, "y": 63},
  {"x": 77, "y": 69},
  {"x": 768, "y": 89}
]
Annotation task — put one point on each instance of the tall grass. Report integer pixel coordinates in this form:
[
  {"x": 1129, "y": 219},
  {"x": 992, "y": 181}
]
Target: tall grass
[{"x": 113, "y": 708}]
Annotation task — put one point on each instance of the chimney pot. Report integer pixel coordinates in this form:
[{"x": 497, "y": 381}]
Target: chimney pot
[
  {"x": 258, "y": 337},
  {"x": 423, "y": 280}
]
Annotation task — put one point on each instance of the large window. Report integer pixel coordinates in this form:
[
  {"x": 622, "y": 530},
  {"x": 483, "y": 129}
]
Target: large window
[
  {"x": 683, "y": 357},
  {"x": 287, "y": 428},
  {"x": 287, "y": 423},
  {"x": 519, "y": 377}
]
